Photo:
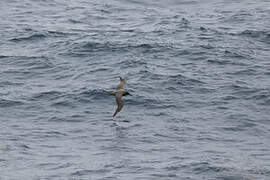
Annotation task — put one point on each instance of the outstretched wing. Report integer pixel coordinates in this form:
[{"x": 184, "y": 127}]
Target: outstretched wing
[
  {"x": 121, "y": 84},
  {"x": 119, "y": 103}
]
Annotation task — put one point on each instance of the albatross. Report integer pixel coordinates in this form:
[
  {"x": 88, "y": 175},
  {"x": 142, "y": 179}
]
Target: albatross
[{"x": 120, "y": 91}]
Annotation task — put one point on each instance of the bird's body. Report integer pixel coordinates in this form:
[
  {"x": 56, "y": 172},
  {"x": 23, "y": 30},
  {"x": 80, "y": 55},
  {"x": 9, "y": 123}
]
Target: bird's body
[{"x": 120, "y": 91}]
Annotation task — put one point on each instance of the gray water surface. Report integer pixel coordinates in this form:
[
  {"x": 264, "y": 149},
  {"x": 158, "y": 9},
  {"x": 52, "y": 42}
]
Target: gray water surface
[{"x": 199, "y": 73}]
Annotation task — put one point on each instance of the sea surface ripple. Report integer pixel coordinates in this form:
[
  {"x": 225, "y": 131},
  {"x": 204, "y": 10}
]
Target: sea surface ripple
[{"x": 199, "y": 73}]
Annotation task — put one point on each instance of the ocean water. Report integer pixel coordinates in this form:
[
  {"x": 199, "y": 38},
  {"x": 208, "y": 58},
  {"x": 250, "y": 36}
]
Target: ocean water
[{"x": 198, "y": 72}]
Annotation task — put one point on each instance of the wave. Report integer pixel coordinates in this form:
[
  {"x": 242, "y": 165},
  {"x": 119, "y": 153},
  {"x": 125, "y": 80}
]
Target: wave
[
  {"x": 9, "y": 103},
  {"x": 260, "y": 35},
  {"x": 258, "y": 95},
  {"x": 28, "y": 62},
  {"x": 205, "y": 167},
  {"x": 52, "y": 33},
  {"x": 9, "y": 83},
  {"x": 58, "y": 99},
  {"x": 95, "y": 94},
  {"x": 239, "y": 17},
  {"x": 255, "y": 34},
  {"x": 226, "y": 62},
  {"x": 86, "y": 48},
  {"x": 71, "y": 119},
  {"x": 261, "y": 95},
  {"x": 89, "y": 172},
  {"x": 235, "y": 54},
  {"x": 3, "y": 56},
  {"x": 47, "y": 95},
  {"x": 249, "y": 72},
  {"x": 35, "y": 36},
  {"x": 149, "y": 102},
  {"x": 132, "y": 63},
  {"x": 63, "y": 103},
  {"x": 184, "y": 81}
]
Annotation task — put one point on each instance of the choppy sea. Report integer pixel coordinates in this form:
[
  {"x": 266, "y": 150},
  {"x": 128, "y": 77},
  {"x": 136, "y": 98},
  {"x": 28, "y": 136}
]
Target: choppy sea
[{"x": 198, "y": 72}]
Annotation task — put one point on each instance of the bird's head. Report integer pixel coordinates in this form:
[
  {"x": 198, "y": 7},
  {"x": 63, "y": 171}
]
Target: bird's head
[{"x": 122, "y": 80}]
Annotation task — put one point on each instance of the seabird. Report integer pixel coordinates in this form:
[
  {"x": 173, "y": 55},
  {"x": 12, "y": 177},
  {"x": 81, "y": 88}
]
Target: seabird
[{"x": 120, "y": 91}]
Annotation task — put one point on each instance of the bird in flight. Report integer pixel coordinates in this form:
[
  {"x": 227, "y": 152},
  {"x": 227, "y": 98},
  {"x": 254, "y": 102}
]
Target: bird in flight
[{"x": 119, "y": 92}]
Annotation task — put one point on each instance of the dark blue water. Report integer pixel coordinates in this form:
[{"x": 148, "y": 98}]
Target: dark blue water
[{"x": 199, "y": 73}]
